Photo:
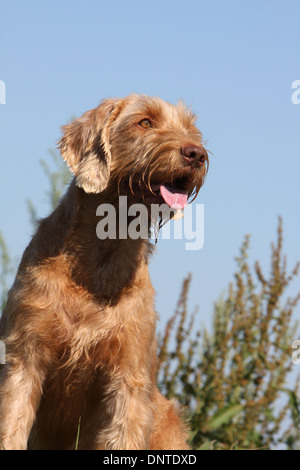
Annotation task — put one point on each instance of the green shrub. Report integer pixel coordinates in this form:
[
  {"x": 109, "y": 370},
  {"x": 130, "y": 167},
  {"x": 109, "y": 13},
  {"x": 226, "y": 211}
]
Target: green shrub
[{"x": 234, "y": 379}]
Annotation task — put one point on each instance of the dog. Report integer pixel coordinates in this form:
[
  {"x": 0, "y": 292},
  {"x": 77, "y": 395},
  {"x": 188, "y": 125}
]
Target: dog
[{"x": 79, "y": 323}]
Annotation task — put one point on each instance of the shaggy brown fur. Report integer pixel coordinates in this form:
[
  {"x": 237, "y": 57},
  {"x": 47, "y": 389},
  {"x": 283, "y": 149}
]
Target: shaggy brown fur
[{"x": 79, "y": 325}]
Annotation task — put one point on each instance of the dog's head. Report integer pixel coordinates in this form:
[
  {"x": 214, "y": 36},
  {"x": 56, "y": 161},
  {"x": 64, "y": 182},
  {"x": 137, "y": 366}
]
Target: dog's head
[{"x": 144, "y": 146}]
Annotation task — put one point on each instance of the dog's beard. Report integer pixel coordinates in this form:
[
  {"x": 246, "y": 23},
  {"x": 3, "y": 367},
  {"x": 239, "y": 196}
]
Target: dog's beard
[{"x": 158, "y": 184}]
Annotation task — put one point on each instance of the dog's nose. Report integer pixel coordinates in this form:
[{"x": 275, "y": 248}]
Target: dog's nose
[{"x": 193, "y": 154}]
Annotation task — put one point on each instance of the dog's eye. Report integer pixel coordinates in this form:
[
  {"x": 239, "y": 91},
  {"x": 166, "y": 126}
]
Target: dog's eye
[{"x": 145, "y": 123}]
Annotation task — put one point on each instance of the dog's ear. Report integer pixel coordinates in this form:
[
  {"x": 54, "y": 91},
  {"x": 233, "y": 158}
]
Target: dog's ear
[{"x": 85, "y": 145}]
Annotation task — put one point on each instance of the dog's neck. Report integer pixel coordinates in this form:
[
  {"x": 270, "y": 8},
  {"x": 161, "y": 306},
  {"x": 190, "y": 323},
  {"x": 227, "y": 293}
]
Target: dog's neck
[{"x": 106, "y": 267}]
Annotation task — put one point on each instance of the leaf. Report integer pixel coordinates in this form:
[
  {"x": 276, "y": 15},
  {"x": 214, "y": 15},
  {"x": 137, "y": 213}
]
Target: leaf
[
  {"x": 224, "y": 416},
  {"x": 294, "y": 404},
  {"x": 207, "y": 445},
  {"x": 78, "y": 434}
]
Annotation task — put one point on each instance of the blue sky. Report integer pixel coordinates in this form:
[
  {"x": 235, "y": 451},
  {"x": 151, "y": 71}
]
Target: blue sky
[{"x": 233, "y": 61}]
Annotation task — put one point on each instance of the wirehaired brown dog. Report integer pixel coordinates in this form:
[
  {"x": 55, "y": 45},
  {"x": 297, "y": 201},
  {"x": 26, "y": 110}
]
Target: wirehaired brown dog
[{"x": 79, "y": 325}]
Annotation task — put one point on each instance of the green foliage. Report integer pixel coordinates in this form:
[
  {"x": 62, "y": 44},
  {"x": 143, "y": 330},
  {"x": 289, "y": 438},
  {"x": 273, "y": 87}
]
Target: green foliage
[
  {"x": 233, "y": 380},
  {"x": 58, "y": 176},
  {"x": 6, "y": 269}
]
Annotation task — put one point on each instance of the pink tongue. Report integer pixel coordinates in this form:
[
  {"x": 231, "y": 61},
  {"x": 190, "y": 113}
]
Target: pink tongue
[{"x": 175, "y": 198}]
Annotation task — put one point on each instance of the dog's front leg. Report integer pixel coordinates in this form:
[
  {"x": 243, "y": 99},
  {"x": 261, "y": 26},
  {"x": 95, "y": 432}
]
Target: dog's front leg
[
  {"x": 130, "y": 415},
  {"x": 21, "y": 384}
]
